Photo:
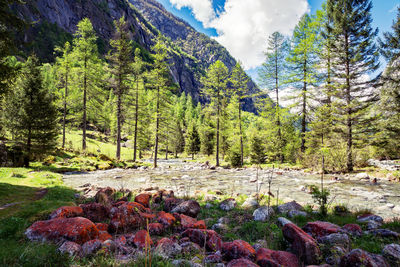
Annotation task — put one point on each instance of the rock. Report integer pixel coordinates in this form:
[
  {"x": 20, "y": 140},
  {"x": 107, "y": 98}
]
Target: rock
[
  {"x": 250, "y": 203},
  {"x": 67, "y": 212},
  {"x": 103, "y": 236},
  {"x": 171, "y": 203},
  {"x": 77, "y": 229},
  {"x": 96, "y": 212},
  {"x": 102, "y": 226},
  {"x": 360, "y": 258},
  {"x": 383, "y": 233},
  {"x": 166, "y": 219},
  {"x": 91, "y": 247},
  {"x": 365, "y": 218},
  {"x": 334, "y": 255},
  {"x": 181, "y": 263},
  {"x": 190, "y": 208},
  {"x": 228, "y": 204},
  {"x": 319, "y": 229},
  {"x": 209, "y": 197},
  {"x": 260, "y": 244},
  {"x": 142, "y": 239},
  {"x": 126, "y": 217},
  {"x": 71, "y": 248},
  {"x": 237, "y": 249},
  {"x": 190, "y": 248},
  {"x": 362, "y": 176},
  {"x": 213, "y": 258},
  {"x": 156, "y": 228},
  {"x": 392, "y": 254},
  {"x": 223, "y": 220},
  {"x": 290, "y": 206},
  {"x": 372, "y": 225},
  {"x": 335, "y": 240},
  {"x": 168, "y": 248},
  {"x": 189, "y": 222},
  {"x": 143, "y": 199},
  {"x": 104, "y": 195},
  {"x": 263, "y": 213},
  {"x": 208, "y": 206},
  {"x": 220, "y": 226},
  {"x": 209, "y": 238},
  {"x": 352, "y": 229},
  {"x": 241, "y": 263},
  {"x": 297, "y": 213},
  {"x": 270, "y": 258},
  {"x": 283, "y": 221},
  {"x": 304, "y": 246}
]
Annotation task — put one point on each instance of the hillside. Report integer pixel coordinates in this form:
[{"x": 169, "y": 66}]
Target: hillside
[{"x": 191, "y": 52}]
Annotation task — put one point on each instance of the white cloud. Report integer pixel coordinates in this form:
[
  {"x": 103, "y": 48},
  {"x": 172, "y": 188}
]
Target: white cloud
[
  {"x": 244, "y": 26},
  {"x": 202, "y": 9}
]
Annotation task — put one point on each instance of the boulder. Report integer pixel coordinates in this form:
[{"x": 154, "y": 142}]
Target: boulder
[
  {"x": 190, "y": 248},
  {"x": 319, "y": 229},
  {"x": 143, "y": 199},
  {"x": 241, "y": 263},
  {"x": 171, "y": 202},
  {"x": 338, "y": 240},
  {"x": 213, "y": 258},
  {"x": 228, "y": 204},
  {"x": 189, "y": 222},
  {"x": 126, "y": 217},
  {"x": 190, "y": 208},
  {"x": 372, "y": 225},
  {"x": 103, "y": 236},
  {"x": 361, "y": 258},
  {"x": 91, "y": 247},
  {"x": 365, "y": 218},
  {"x": 362, "y": 176},
  {"x": 71, "y": 248},
  {"x": 282, "y": 221},
  {"x": 297, "y": 213},
  {"x": 102, "y": 226},
  {"x": 67, "y": 212},
  {"x": 77, "y": 229},
  {"x": 142, "y": 239},
  {"x": 104, "y": 195},
  {"x": 334, "y": 255},
  {"x": 290, "y": 206},
  {"x": 250, "y": 203},
  {"x": 167, "y": 248},
  {"x": 209, "y": 238},
  {"x": 392, "y": 254},
  {"x": 237, "y": 249},
  {"x": 156, "y": 228},
  {"x": 263, "y": 213},
  {"x": 352, "y": 229},
  {"x": 303, "y": 245},
  {"x": 166, "y": 219},
  {"x": 96, "y": 212},
  {"x": 271, "y": 258},
  {"x": 383, "y": 233}
]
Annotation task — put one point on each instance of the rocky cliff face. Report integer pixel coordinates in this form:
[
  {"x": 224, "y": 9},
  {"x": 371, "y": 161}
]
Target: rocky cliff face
[{"x": 55, "y": 21}]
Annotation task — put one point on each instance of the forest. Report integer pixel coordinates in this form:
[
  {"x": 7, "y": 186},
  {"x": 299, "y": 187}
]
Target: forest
[{"x": 339, "y": 112}]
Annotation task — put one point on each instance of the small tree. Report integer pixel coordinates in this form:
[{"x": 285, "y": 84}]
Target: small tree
[
  {"x": 192, "y": 140},
  {"x": 257, "y": 151},
  {"x": 34, "y": 113}
]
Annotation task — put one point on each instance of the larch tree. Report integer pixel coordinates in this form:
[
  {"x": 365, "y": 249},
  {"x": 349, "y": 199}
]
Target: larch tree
[
  {"x": 303, "y": 60},
  {"x": 120, "y": 58},
  {"x": 34, "y": 115},
  {"x": 86, "y": 54},
  {"x": 64, "y": 65},
  {"x": 272, "y": 75},
  {"x": 239, "y": 83},
  {"x": 214, "y": 90},
  {"x": 356, "y": 56}
]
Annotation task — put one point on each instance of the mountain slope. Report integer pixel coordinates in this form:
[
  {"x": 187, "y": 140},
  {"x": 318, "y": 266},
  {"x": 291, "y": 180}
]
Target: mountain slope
[{"x": 191, "y": 52}]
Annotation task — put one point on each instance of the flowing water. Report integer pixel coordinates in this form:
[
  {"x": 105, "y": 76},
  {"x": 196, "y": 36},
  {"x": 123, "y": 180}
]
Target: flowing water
[{"x": 190, "y": 178}]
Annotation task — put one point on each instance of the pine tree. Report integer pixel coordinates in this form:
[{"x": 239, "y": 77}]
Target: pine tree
[
  {"x": 85, "y": 51},
  {"x": 120, "y": 58},
  {"x": 239, "y": 82},
  {"x": 355, "y": 55},
  {"x": 64, "y": 65},
  {"x": 272, "y": 75},
  {"x": 215, "y": 89},
  {"x": 34, "y": 115},
  {"x": 192, "y": 140},
  {"x": 303, "y": 61}
]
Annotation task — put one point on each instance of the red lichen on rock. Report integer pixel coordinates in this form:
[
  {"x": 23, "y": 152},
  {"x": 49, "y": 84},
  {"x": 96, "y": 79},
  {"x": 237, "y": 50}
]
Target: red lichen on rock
[
  {"x": 67, "y": 212},
  {"x": 156, "y": 228},
  {"x": 211, "y": 238},
  {"x": 241, "y": 263},
  {"x": 271, "y": 258},
  {"x": 96, "y": 212},
  {"x": 166, "y": 219},
  {"x": 320, "y": 229},
  {"x": 143, "y": 199},
  {"x": 237, "y": 249},
  {"x": 102, "y": 226},
  {"x": 142, "y": 239}
]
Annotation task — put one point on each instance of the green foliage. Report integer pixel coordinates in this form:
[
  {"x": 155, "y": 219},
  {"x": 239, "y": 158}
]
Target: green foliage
[
  {"x": 192, "y": 141},
  {"x": 257, "y": 150},
  {"x": 321, "y": 198}
]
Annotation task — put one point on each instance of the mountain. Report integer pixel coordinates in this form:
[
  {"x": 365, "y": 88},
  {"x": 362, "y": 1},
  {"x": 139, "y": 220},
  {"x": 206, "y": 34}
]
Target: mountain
[{"x": 191, "y": 52}]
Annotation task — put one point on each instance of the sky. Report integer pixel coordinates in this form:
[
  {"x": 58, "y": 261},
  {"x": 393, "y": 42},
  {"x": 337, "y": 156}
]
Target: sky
[{"x": 243, "y": 26}]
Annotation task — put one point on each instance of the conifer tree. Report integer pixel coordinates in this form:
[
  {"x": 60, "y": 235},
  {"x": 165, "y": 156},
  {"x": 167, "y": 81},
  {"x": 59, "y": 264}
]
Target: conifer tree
[
  {"x": 355, "y": 55},
  {"x": 272, "y": 75},
  {"x": 120, "y": 58},
  {"x": 215, "y": 89},
  {"x": 192, "y": 140},
  {"x": 85, "y": 51},
  {"x": 64, "y": 64},
  {"x": 34, "y": 115}
]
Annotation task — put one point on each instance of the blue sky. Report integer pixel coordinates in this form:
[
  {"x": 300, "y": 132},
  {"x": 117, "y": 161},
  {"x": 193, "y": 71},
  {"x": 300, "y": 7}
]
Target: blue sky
[{"x": 243, "y": 27}]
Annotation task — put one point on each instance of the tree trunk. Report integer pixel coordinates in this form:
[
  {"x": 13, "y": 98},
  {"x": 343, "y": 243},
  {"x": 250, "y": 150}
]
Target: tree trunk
[
  {"x": 349, "y": 110},
  {"x": 304, "y": 115},
  {"x": 218, "y": 111},
  {"x": 119, "y": 115},
  {"x": 157, "y": 126},
  {"x": 84, "y": 106},
  {"x": 241, "y": 135},
  {"x": 278, "y": 116},
  {"x": 65, "y": 107},
  {"x": 166, "y": 152},
  {"x": 136, "y": 119}
]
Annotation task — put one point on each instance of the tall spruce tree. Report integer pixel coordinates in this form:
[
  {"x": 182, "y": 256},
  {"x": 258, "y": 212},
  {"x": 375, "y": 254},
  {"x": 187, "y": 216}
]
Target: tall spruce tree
[
  {"x": 272, "y": 75},
  {"x": 86, "y": 54},
  {"x": 34, "y": 115},
  {"x": 355, "y": 55},
  {"x": 120, "y": 58},
  {"x": 192, "y": 140},
  {"x": 215, "y": 89}
]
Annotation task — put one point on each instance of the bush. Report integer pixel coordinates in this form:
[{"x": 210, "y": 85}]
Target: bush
[
  {"x": 321, "y": 198},
  {"x": 257, "y": 150},
  {"x": 235, "y": 157}
]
